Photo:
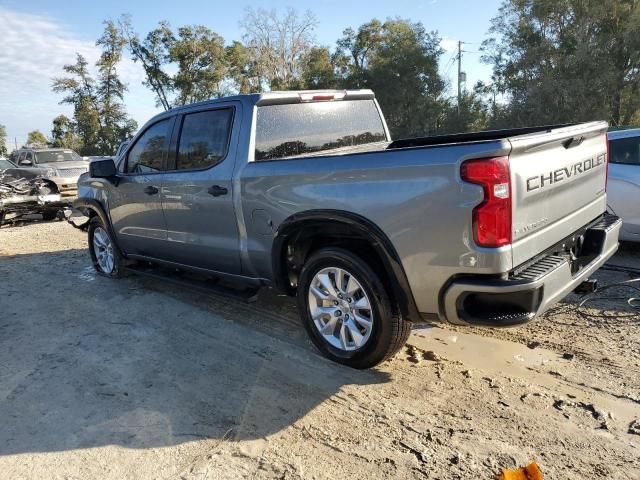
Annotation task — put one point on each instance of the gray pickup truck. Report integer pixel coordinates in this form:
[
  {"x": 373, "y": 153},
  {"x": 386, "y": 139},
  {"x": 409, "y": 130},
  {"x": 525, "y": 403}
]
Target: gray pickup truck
[{"x": 306, "y": 192}]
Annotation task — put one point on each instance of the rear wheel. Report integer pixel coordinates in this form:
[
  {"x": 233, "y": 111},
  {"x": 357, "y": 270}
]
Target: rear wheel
[
  {"x": 104, "y": 253},
  {"x": 346, "y": 310}
]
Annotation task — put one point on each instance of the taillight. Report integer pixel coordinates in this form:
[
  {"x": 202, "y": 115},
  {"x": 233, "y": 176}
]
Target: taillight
[{"x": 492, "y": 218}]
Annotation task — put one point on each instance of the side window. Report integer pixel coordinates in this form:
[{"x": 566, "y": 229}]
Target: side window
[
  {"x": 21, "y": 158},
  {"x": 625, "y": 150},
  {"x": 29, "y": 157},
  {"x": 148, "y": 153},
  {"x": 203, "y": 139}
]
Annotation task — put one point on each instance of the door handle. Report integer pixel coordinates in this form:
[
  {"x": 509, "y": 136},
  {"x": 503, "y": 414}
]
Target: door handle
[
  {"x": 217, "y": 190},
  {"x": 150, "y": 190}
]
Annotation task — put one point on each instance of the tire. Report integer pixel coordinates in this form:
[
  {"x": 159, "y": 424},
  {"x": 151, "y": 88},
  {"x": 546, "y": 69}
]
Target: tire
[
  {"x": 361, "y": 347},
  {"x": 49, "y": 215},
  {"x": 112, "y": 268}
]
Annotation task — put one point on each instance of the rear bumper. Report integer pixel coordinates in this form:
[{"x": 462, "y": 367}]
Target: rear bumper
[{"x": 527, "y": 293}]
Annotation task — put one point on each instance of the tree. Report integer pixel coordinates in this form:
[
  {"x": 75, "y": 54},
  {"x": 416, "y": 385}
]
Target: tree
[
  {"x": 468, "y": 115},
  {"x": 114, "y": 122},
  {"x": 200, "y": 55},
  {"x": 567, "y": 61},
  {"x": 80, "y": 93},
  {"x": 277, "y": 45},
  {"x": 152, "y": 53},
  {"x": 359, "y": 47},
  {"x": 398, "y": 59},
  {"x": 100, "y": 120},
  {"x": 63, "y": 133},
  {"x": 195, "y": 52},
  {"x": 3, "y": 141},
  {"x": 241, "y": 69},
  {"x": 36, "y": 137},
  {"x": 319, "y": 69}
]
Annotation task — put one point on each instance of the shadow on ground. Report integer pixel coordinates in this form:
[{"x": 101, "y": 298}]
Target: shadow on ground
[{"x": 87, "y": 361}]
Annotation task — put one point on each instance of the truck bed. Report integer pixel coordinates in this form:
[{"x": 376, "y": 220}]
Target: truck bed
[{"x": 483, "y": 136}]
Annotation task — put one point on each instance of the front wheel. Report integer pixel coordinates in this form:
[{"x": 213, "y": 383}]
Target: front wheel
[
  {"x": 104, "y": 253},
  {"x": 346, "y": 310},
  {"x": 49, "y": 215}
]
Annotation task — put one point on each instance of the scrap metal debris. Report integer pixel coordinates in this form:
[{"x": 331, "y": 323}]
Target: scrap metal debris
[{"x": 20, "y": 196}]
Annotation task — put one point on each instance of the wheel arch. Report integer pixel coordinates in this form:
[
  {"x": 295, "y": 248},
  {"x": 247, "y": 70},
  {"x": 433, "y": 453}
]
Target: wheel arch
[
  {"x": 52, "y": 185},
  {"x": 304, "y": 232},
  {"x": 91, "y": 208}
]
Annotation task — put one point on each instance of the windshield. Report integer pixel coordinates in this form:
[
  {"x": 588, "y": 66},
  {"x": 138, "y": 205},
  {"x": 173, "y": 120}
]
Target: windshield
[
  {"x": 300, "y": 128},
  {"x": 57, "y": 156},
  {"x": 625, "y": 151},
  {"x": 4, "y": 164}
]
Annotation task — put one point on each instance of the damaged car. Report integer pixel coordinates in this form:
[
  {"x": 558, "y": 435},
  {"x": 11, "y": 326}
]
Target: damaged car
[
  {"x": 25, "y": 193},
  {"x": 60, "y": 165}
]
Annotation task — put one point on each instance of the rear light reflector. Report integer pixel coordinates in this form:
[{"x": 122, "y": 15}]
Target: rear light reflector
[{"x": 492, "y": 218}]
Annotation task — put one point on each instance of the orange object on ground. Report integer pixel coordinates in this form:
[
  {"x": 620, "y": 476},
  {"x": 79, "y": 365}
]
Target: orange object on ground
[{"x": 530, "y": 472}]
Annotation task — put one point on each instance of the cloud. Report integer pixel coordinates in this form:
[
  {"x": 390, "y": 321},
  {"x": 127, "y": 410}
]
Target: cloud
[
  {"x": 33, "y": 50},
  {"x": 449, "y": 44}
]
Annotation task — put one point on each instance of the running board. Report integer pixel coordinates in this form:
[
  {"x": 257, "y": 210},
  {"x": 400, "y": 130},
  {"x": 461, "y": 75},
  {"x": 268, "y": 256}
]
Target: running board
[{"x": 184, "y": 279}]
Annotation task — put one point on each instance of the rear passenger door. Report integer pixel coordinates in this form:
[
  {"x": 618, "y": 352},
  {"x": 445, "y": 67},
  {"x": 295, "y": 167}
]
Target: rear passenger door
[{"x": 197, "y": 193}]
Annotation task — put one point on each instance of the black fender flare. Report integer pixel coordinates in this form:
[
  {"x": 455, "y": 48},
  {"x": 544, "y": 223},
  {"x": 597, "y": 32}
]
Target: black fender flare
[
  {"x": 367, "y": 229},
  {"x": 91, "y": 204}
]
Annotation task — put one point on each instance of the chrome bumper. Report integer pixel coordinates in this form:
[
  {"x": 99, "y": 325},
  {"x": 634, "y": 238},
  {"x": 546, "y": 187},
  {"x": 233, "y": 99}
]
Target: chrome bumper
[
  {"x": 528, "y": 293},
  {"x": 67, "y": 186}
]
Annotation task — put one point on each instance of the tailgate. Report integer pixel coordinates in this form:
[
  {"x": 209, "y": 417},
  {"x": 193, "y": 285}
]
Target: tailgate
[{"x": 558, "y": 180}]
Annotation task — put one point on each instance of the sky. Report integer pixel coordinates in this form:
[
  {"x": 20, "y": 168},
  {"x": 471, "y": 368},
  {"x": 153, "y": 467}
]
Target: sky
[{"x": 38, "y": 37}]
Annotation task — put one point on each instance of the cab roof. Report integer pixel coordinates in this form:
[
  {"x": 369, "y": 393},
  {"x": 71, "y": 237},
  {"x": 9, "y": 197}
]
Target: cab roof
[{"x": 287, "y": 96}]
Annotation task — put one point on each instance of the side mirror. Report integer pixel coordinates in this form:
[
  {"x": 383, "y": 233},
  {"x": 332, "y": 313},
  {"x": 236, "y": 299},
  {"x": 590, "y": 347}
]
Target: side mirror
[{"x": 103, "y": 168}]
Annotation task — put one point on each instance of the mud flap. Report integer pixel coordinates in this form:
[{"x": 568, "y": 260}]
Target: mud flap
[{"x": 76, "y": 219}]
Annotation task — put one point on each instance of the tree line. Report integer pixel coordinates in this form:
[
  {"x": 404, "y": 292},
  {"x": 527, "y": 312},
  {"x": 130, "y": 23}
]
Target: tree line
[{"x": 552, "y": 62}]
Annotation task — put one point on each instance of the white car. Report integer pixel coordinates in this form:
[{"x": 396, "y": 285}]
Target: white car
[{"x": 623, "y": 192}]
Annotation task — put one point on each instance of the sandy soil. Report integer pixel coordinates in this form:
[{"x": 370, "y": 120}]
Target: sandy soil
[{"x": 138, "y": 379}]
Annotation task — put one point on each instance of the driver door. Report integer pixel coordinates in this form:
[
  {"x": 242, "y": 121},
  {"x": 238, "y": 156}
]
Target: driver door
[{"x": 134, "y": 203}]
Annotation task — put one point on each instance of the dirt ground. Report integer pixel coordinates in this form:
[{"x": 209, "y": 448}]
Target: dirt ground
[{"x": 132, "y": 378}]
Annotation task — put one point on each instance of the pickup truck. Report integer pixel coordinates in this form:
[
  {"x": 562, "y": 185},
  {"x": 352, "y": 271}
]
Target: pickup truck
[
  {"x": 61, "y": 166},
  {"x": 306, "y": 192}
]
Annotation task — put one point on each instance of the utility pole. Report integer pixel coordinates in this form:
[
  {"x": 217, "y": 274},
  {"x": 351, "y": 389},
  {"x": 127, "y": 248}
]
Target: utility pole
[
  {"x": 15, "y": 141},
  {"x": 459, "y": 73}
]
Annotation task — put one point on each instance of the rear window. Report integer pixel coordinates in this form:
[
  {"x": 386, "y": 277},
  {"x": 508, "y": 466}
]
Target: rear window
[
  {"x": 290, "y": 130},
  {"x": 625, "y": 150}
]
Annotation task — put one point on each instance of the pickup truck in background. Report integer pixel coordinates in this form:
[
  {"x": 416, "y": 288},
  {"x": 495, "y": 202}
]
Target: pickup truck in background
[
  {"x": 306, "y": 192},
  {"x": 60, "y": 166}
]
